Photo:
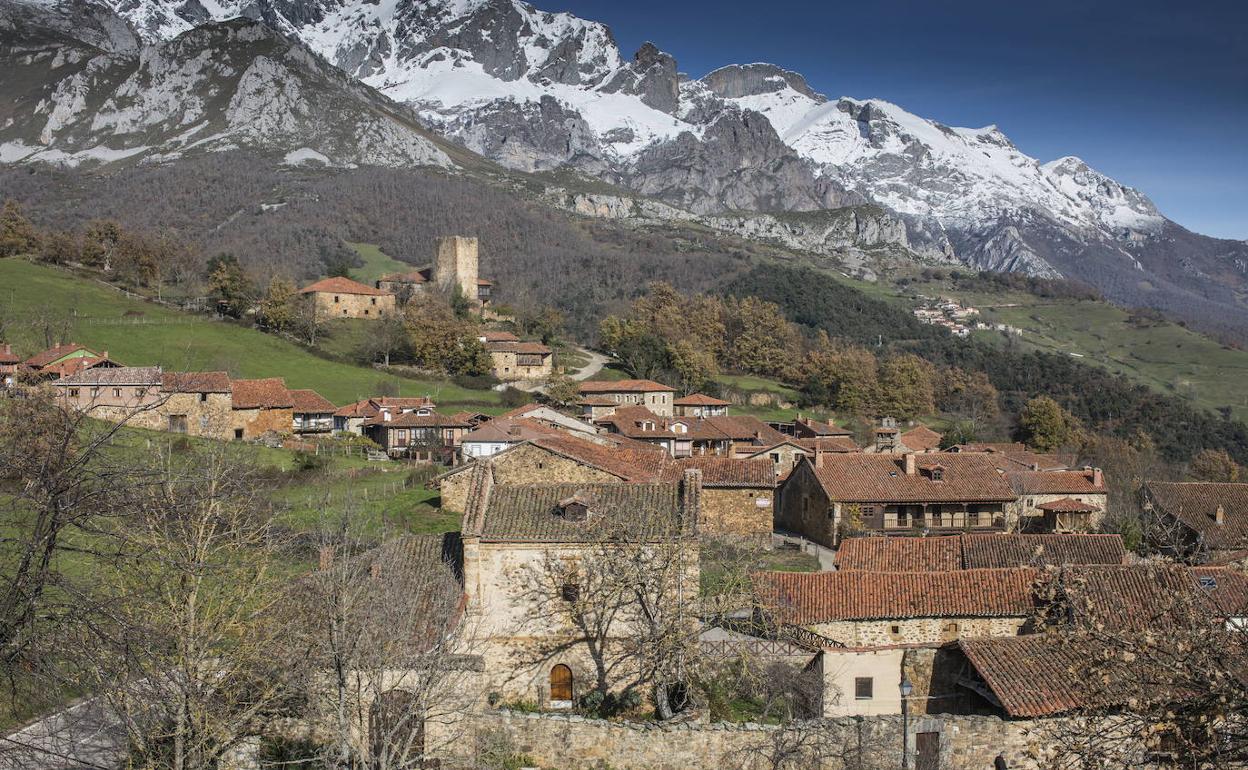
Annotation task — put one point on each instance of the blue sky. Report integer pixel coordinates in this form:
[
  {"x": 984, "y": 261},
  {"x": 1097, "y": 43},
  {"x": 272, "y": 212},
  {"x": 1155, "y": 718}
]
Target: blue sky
[{"x": 1151, "y": 92}]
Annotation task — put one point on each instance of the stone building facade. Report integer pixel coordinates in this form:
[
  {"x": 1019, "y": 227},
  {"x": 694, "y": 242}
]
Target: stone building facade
[
  {"x": 519, "y": 361},
  {"x": 340, "y": 297},
  {"x": 260, "y": 407},
  {"x": 1037, "y": 488}
]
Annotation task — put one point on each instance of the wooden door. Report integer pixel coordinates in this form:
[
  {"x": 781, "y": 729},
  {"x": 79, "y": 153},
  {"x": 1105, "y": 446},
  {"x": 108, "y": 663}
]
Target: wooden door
[
  {"x": 927, "y": 751},
  {"x": 561, "y": 683}
]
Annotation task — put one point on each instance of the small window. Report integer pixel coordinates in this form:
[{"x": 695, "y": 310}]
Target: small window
[
  {"x": 238, "y": 433},
  {"x": 365, "y": 311},
  {"x": 374, "y": 302},
  {"x": 894, "y": 630},
  {"x": 203, "y": 398},
  {"x": 1208, "y": 582},
  {"x": 73, "y": 393},
  {"x": 570, "y": 592},
  {"x": 864, "y": 688},
  {"x": 951, "y": 629},
  {"x": 335, "y": 298},
  {"x": 116, "y": 392}
]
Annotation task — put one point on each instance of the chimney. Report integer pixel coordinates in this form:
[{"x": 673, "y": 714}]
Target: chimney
[
  {"x": 1219, "y": 516},
  {"x": 910, "y": 463},
  {"x": 513, "y": 430},
  {"x": 326, "y": 557},
  {"x": 819, "y": 453},
  {"x": 1098, "y": 477},
  {"x": 691, "y": 496}
]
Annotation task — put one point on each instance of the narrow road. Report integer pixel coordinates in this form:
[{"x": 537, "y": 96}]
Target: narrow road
[
  {"x": 86, "y": 736},
  {"x": 596, "y": 362}
]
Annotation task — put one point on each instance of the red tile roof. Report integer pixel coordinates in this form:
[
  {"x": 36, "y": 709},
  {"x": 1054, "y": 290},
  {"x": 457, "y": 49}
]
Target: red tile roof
[
  {"x": 1067, "y": 505},
  {"x": 510, "y": 431},
  {"x": 7, "y": 356},
  {"x": 310, "y": 402},
  {"x": 641, "y": 463},
  {"x": 40, "y": 360},
  {"x": 820, "y": 429},
  {"x": 118, "y": 375},
  {"x": 195, "y": 382},
  {"x": 700, "y": 399},
  {"x": 976, "y": 551},
  {"x": 1038, "y": 675},
  {"x": 1196, "y": 503},
  {"x": 270, "y": 393},
  {"x": 806, "y": 598},
  {"x": 1145, "y": 597},
  {"x": 1055, "y": 482},
  {"x": 881, "y": 478},
  {"x": 340, "y": 285},
  {"x": 624, "y": 386},
  {"x": 1015, "y": 456},
  {"x": 370, "y": 407},
  {"x": 921, "y": 439},
  {"x": 829, "y": 444},
  {"x": 727, "y": 472},
  {"x": 78, "y": 364}
]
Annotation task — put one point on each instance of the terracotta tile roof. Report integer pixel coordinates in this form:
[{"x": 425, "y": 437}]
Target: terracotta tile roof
[
  {"x": 1055, "y": 482},
  {"x": 700, "y": 399},
  {"x": 530, "y": 348},
  {"x": 79, "y": 364},
  {"x": 7, "y": 356},
  {"x": 120, "y": 375},
  {"x": 1226, "y": 588},
  {"x": 976, "y": 551},
  {"x": 371, "y": 407},
  {"x": 310, "y": 402},
  {"x": 40, "y": 360},
  {"x": 195, "y": 382},
  {"x": 806, "y": 598},
  {"x": 340, "y": 285},
  {"x": 510, "y": 431},
  {"x": 531, "y": 513},
  {"x": 818, "y": 427},
  {"x": 624, "y": 386},
  {"x": 829, "y": 444},
  {"x": 484, "y": 282},
  {"x": 745, "y": 428},
  {"x": 1146, "y": 597},
  {"x": 1067, "y": 505},
  {"x": 1015, "y": 456},
  {"x": 413, "y": 420},
  {"x": 921, "y": 439},
  {"x": 645, "y": 464},
  {"x": 496, "y": 336},
  {"x": 1195, "y": 504},
  {"x": 1038, "y": 675},
  {"x": 727, "y": 472},
  {"x": 900, "y": 554},
  {"x": 1002, "y": 550},
  {"x": 270, "y": 393},
  {"x": 881, "y": 478}
]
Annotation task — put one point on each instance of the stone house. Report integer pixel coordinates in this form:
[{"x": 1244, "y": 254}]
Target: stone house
[
  {"x": 1057, "y": 501},
  {"x": 725, "y": 436},
  {"x": 351, "y": 418},
  {"x": 525, "y": 548},
  {"x": 1198, "y": 520},
  {"x": 313, "y": 413},
  {"x": 513, "y": 361},
  {"x": 197, "y": 404},
  {"x": 861, "y": 609},
  {"x": 11, "y": 366},
  {"x": 909, "y": 494},
  {"x": 431, "y": 438},
  {"x": 556, "y": 457},
  {"x": 891, "y": 439},
  {"x": 700, "y": 405},
  {"x": 657, "y": 397},
  {"x": 261, "y": 407},
  {"x": 114, "y": 393},
  {"x": 784, "y": 455},
  {"x": 340, "y": 297},
  {"x": 945, "y": 553},
  {"x": 738, "y": 496},
  {"x": 596, "y": 408}
]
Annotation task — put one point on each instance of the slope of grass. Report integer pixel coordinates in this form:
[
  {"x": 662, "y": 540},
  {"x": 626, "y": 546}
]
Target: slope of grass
[
  {"x": 376, "y": 263},
  {"x": 139, "y": 333}
]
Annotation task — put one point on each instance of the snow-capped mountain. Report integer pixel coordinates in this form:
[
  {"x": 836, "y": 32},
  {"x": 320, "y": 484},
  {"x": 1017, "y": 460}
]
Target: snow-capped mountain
[
  {"x": 535, "y": 90},
  {"x": 86, "y": 90}
]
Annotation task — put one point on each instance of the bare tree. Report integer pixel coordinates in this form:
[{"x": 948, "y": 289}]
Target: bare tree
[
  {"x": 389, "y": 648},
  {"x": 191, "y": 656}
]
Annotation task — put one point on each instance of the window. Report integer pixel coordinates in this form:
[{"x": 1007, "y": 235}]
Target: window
[
  {"x": 561, "y": 686},
  {"x": 951, "y": 629},
  {"x": 95, "y": 393},
  {"x": 374, "y": 302},
  {"x": 894, "y": 631},
  {"x": 335, "y": 298},
  {"x": 365, "y": 311},
  {"x": 864, "y": 688},
  {"x": 116, "y": 392},
  {"x": 73, "y": 393},
  {"x": 570, "y": 592},
  {"x": 203, "y": 398},
  {"x": 238, "y": 433}
]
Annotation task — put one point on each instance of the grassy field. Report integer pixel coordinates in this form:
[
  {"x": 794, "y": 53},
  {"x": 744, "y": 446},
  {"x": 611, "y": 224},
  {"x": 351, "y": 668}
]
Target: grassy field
[
  {"x": 140, "y": 333},
  {"x": 376, "y": 263}
]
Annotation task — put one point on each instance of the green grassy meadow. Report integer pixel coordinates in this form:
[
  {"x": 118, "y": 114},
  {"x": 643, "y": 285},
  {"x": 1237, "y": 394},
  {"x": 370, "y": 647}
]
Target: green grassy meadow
[
  {"x": 139, "y": 333},
  {"x": 376, "y": 263}
]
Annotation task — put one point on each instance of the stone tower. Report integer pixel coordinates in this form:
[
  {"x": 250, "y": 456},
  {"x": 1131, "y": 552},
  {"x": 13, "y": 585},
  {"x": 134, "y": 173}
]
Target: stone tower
[{"x": 456, "y": 265}]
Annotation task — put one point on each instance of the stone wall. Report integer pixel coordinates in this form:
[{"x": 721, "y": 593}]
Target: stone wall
[
  {"x": 966, "y": 742},
  {"x": 329, "y": 305},
  {"x": 804, "y": 507},
  {"x": 735, "y": 511},
  {"x": 526, "y": 464},
  {"x": 257, "y": 422},
  {"x": 1024, "y": 514},
  {"x": 505, "y": 366},
  {"x": 876, "y": 633}
]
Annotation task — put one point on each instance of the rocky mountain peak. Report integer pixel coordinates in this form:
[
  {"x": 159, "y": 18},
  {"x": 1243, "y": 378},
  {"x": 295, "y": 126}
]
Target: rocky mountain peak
[{"x": 739, "y": 80}]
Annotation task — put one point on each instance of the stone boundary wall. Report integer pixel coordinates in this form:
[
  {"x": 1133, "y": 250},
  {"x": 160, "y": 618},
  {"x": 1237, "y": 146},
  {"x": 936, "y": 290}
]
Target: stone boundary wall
[{"x": 570, "y": 742}]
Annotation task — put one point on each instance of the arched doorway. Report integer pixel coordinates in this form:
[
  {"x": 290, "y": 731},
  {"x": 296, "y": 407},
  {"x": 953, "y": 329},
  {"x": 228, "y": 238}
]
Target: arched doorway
[
  {"x": 561, "y": 687},
  {"x": 396, "y": 731}
]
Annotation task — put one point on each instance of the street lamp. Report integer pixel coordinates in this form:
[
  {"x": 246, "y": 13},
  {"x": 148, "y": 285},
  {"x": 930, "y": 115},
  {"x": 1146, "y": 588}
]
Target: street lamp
[{"x": 906, "y": 689}]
